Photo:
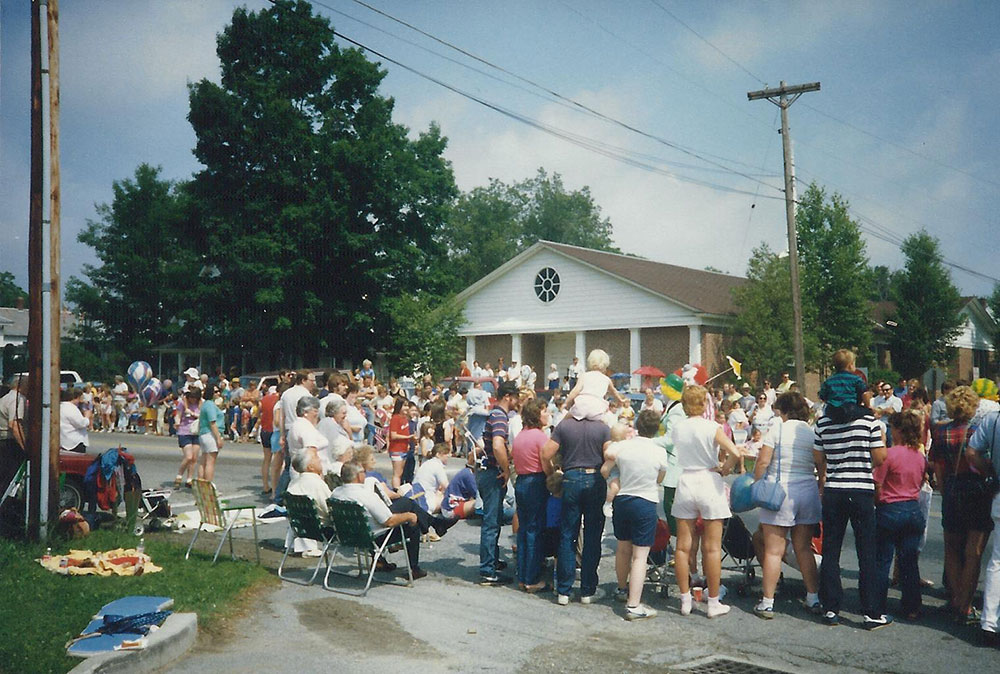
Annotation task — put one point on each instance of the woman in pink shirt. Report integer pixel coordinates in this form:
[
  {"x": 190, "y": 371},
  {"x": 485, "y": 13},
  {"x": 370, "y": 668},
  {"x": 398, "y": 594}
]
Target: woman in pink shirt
[
  {"x": 530, "y": 494},
  {"x": 899, "y": 519}
]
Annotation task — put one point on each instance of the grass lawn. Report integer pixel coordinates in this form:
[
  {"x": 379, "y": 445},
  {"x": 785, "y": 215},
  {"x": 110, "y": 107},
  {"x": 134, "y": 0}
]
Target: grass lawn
[{"x": 41, "y": 611}]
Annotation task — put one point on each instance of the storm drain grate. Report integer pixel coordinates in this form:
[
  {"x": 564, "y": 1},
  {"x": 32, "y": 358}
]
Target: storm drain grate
[{"x": 718, "y": 665}]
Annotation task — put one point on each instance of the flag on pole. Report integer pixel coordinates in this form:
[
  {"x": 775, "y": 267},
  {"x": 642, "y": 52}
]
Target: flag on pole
[{"x": 736, "y": 365}]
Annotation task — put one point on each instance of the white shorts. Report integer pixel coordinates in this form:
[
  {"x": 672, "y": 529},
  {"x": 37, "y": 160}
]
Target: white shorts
[
  {"x": 208, "y": 444},
  {"x": 801, "y": 506},
  {"x": 700, "y": 493}
]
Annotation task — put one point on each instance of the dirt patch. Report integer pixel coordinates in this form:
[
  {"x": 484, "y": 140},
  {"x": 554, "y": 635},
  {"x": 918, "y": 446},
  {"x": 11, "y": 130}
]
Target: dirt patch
[
  {"x": 594, "y": 653},
  {"x": 364, "y": 627}
]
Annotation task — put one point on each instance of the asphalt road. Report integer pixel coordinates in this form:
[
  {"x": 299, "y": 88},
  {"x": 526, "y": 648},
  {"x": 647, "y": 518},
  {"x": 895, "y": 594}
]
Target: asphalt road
[{"x": 446, "y": 622}]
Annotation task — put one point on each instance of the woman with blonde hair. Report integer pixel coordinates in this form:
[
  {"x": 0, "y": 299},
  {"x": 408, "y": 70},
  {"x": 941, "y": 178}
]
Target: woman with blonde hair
[
  {"x": 966, "y": 522},
  {"x": 701, "y": 493}
]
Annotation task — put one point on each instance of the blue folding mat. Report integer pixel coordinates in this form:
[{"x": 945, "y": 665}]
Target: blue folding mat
[{"x": 125, "y": 619}]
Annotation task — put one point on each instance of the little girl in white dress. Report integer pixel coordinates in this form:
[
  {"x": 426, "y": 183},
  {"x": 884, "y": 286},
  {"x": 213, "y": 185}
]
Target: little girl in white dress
[{"x": 587, "y": 399}]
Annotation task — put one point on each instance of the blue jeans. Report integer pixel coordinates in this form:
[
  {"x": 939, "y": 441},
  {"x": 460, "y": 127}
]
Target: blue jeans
[
  {"x": 531, "y": 494},
  {"x": 900, "y": 526},
  {"x": 583, "y": 498},
  {"x": 841, "y": 506},
  {"x": 492, "y": 491}
]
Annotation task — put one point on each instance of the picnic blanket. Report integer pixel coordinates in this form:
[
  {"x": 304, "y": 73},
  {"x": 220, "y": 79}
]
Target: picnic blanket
[{"x": 117, "y": 562}]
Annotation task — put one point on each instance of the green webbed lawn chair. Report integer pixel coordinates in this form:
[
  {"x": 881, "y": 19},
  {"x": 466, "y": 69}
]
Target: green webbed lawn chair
[
  {"x": 350, "y": 519},
  {"x": 304, "y": 522},
  {"x": 212, "y": 512}
]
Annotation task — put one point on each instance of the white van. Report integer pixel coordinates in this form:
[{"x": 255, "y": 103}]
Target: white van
[{"x": 67, "y": 378}]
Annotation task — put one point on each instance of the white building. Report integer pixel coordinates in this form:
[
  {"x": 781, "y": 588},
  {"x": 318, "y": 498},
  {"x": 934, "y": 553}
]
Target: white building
[{"x": 554, "y": 301}]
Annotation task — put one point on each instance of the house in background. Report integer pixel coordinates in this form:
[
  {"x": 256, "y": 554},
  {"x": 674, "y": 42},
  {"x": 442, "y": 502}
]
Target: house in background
[
  {"x": 14, "y": 333},
  {"x": 554, "y": 302}
]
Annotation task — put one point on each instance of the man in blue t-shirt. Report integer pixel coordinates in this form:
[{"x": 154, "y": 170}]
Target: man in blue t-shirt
[
  {"x": 493, "y": 471},
  {"x": 460, "y": 496}
]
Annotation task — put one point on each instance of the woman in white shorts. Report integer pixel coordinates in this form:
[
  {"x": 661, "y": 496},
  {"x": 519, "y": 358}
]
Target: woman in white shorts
[
  {"x": 791, "y": 442},
  {"x": 700, "y": 493}
]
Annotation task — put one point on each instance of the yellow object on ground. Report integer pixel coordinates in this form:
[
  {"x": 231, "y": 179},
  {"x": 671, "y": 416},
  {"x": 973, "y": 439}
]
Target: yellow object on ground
[{"x": 118, "y": 562}]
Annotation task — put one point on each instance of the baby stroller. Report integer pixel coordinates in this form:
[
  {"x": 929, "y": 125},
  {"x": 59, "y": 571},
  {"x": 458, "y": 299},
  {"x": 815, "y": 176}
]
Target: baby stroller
[
  {"x": 658, "y": 560},
  {"x": 737, "y": 547}
]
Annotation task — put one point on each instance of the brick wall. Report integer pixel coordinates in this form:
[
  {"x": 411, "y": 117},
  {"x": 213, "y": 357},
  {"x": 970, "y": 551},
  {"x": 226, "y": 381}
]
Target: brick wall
[
  {"x": 615, "y": 342},
  {"x": 665, "y": 348},
  {"x": 491, "y": 347}
]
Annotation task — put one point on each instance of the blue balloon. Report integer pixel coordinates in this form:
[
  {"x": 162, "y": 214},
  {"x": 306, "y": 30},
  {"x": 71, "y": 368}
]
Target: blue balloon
[
  {"x": 740, "y": 498},
  {"x": 139, "y": 373},
  {"x": 152, "y": 392}
]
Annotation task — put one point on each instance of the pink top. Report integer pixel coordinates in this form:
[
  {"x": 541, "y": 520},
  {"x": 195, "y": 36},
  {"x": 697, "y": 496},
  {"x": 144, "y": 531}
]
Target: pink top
[
  {"x": 901, "y": 474},
  {"x": 527, "y": 448}
]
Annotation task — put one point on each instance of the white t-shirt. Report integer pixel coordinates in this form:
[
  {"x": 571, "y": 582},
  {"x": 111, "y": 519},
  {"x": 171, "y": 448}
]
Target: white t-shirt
[
  {"x": 797, "y": 439},
  {"x": 72, "y": 426},
  {"x": 11, "y": 408},
  {"x": 656, "y": 406},
  {"x": 289, "y": 399},
  {"x": 120, "y": 391},
  {"x": 431, "y": 475},
  {"x": 694, "y": 443},
  {"x": 303, "y": 434},
  {"x": 378, "y": 511},
  {"x": 356, "y": 419},
  {"x": 325, "y": 402},
  {"x": 639, "y": 463}
]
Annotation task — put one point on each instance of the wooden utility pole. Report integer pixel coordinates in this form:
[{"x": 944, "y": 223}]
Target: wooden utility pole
[
  {"x": 783, "y": 97},
  {"x": 33, "y": 444},
  {"x": 54, "y": 261}
]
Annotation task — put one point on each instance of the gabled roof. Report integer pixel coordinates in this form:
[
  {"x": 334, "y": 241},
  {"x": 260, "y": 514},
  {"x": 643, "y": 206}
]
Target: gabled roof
[
  {"x": 15, "y": 322},
  {"x": 704, "y": 291},
  {"x": 700, "y": 291}
]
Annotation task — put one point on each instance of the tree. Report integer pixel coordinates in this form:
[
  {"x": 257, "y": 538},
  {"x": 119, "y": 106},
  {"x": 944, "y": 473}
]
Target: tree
[
  {"x": 491, "y": 224},
  {"x": 318, "y": 210},
  {"x": 147, "y": 281},
  {"x": 927, "y": 305},
  {"x": 834, "y": 267},
  {"x": 994, "y": 305},
  {"x": 424, "y": 335},
  {"x": 10, "y": 292},
  {"x": 764, "y": 322}
]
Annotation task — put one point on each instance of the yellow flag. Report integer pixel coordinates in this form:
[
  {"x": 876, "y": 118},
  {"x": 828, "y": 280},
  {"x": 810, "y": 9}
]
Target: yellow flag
[{"x": 736, "y": 365}]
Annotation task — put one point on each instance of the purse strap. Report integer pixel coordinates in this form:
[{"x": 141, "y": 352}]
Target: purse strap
[
  {"x": 961, "y": 450},
  {"x": 777, "y": 448}
]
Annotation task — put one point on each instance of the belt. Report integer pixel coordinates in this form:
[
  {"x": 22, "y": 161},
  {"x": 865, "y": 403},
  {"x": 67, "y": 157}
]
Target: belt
[{"x": 586, "y": 471}]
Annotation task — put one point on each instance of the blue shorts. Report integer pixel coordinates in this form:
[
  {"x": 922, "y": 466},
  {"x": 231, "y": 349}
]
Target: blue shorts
[
  {"x": 634, "y": 519},
  {"x": 185, "y": 440},
  {"x": 265, "y": 441},
  {"x": 275, "y": 442}
]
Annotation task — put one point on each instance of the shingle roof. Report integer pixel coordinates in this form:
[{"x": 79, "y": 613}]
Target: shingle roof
[
  {"x": 15, "y": 322},
  {"x": 705, "y": 291}
]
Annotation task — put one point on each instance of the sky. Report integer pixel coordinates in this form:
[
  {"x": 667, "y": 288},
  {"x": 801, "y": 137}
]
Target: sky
[{"x": 903, "y": 126}]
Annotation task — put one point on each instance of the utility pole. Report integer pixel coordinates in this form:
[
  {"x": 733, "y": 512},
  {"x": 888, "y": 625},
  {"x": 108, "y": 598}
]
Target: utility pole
[
  {"x": 783, "y": 97},
  {"x": 53, "y": 307}
]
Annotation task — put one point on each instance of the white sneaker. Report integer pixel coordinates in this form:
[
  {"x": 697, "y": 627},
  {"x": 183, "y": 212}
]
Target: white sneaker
[
  {"x": 718, "y": 609},
  {"x": 639, "y": 612},
  {"x": 563, "y": 600},
  {"x": 607, "y": 510},
  {"x": 589, "y": 599},
  {"x": 686, "y": 603}
]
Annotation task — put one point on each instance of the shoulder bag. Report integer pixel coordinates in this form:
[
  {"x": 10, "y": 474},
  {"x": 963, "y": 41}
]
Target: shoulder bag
[
  {"x": 765, "y": 493},
  {"x": 970, "y": 487}
]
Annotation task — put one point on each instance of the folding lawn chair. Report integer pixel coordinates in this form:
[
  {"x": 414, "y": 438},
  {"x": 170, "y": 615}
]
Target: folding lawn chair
[
  {"x": 304, "y": 522},
  {"x": 350, "y": 520},
  {"x": 212, "y": 512}
]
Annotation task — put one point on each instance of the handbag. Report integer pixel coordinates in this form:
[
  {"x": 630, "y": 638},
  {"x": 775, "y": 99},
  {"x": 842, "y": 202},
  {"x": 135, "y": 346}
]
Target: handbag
[
  {"x": 765, "y": 493},
  {"x": 970, "y": 487}
]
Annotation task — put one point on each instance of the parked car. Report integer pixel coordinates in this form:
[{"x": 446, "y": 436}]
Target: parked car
[
  {"x": 66, "y": 378},
  {"x": 72, "y": 469}
]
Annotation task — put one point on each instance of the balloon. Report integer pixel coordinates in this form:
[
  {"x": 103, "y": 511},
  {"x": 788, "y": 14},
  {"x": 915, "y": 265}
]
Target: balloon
[
  {"x": 672, "y": 386},
  {"x": 152, "y": 392},
  {"x": 740, "y": 494},
  {"x": 696, "y": 372},
  {"x": 139, "y": 373}
]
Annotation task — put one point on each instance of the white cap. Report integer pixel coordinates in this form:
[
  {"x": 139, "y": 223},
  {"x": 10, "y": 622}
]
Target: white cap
[{"x": 191, "y": 372}]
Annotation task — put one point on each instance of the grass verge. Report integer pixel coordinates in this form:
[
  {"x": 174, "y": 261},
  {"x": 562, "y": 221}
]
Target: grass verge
[{"x": 43, "y": 610}]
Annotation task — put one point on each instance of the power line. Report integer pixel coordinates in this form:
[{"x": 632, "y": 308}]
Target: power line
[
  {"x": 709, "y": 43},
  {"x": 680, "y": 148}
]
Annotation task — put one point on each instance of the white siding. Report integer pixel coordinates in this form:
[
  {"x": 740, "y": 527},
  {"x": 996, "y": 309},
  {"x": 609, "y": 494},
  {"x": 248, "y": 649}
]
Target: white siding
[
  {"x": 973, "y": 335},
  {"x": 588, "y": 299}
]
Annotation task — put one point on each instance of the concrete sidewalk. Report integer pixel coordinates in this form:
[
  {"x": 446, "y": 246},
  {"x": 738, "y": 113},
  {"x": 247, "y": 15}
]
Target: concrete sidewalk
[{"x": 448, "y": 623}]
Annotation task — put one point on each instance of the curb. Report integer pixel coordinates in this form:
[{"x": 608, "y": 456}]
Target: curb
[{"x": 167, "y": 644}]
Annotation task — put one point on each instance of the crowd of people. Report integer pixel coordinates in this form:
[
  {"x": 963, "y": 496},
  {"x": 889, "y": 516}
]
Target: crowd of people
[{"x": 555, "y": 462}]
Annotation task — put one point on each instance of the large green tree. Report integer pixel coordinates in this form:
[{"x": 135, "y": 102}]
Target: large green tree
[
  {"x": 834, "y": 265},
  {"x": 927, "y": 305},
  {"x": 491, "y": 224},
  {"x": 10, "y": 292},
  {"x": 994, "y": 305},
  {"x": 317, "y": 208},
  {"x": 143, "y": 291},
  {"x": 764, "y": 322}
]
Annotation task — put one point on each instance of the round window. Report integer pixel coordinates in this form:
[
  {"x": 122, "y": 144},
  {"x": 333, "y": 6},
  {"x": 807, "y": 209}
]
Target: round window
[{"x": 547, "y": 284}]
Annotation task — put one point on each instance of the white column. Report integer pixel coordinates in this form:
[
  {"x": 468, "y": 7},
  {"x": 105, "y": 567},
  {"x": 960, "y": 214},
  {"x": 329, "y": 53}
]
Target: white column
[
  {"x": 694, "y": 343},
  {"x": 470, "y": 350},
  {"x": 515, "y": 350},
  {"x": 634, "y": 356},
  {"x": 581, "y": 346}
]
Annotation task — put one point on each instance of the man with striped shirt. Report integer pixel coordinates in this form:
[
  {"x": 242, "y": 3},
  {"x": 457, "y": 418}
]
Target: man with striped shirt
[{"x": 845, "y": 454}]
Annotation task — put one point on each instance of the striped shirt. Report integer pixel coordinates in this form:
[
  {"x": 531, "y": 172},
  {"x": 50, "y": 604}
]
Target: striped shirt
[
  {"x": 848, "y": 449},
  {"x": 497, "y": 426}
]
